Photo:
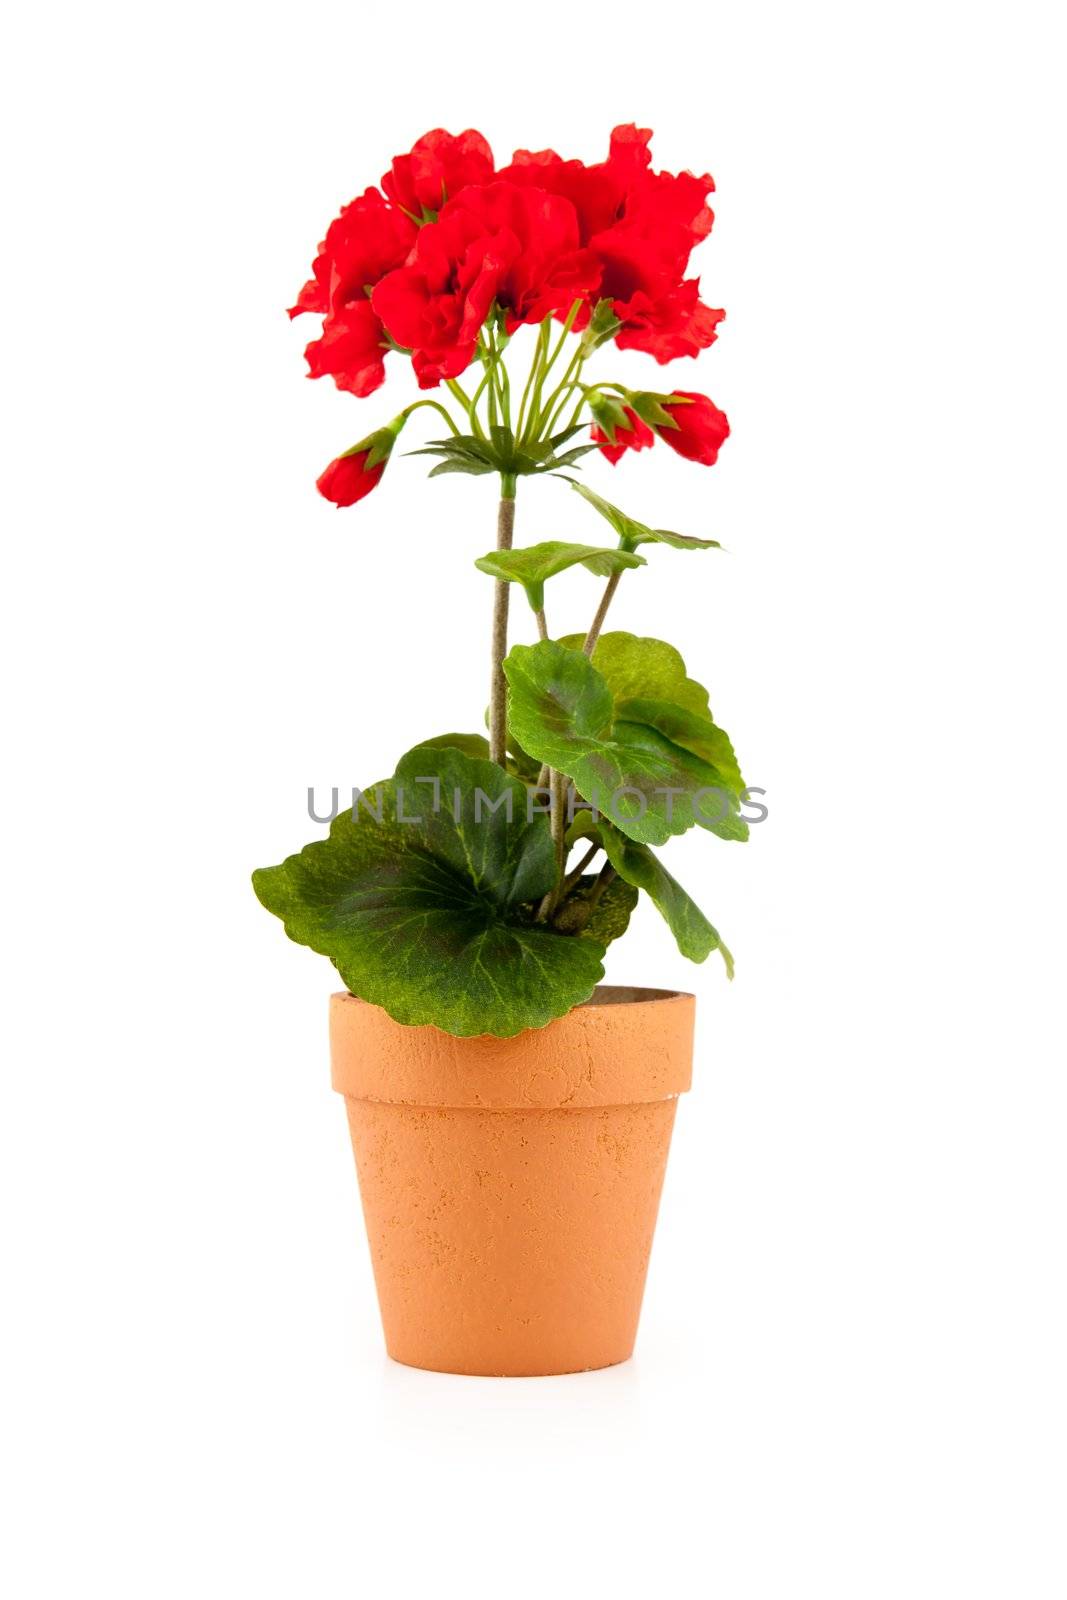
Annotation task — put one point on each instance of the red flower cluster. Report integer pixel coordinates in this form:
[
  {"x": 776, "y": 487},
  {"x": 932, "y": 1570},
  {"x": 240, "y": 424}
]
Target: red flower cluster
[{"x": 419, "y": 266}]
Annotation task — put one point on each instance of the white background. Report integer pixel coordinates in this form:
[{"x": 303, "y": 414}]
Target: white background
[{"x": 849, "y": 1382}]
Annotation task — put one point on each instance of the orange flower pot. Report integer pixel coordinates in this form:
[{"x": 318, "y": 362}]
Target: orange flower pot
[{"x": 510, "y": 1186}]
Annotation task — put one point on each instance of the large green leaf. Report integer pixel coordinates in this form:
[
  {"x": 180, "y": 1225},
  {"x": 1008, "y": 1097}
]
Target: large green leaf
[
  {"x": 648, "y": 680},
  {"x": 472, "y": 744},
  {"x": 432, "y": 918},
  {"x": 688, "y": 729},
  {"x": 634, "y": 533},
  {"x": 533, "y": 566},
  {"x": 643, "y": 669},
  {"x": 563, "y": 712},
  {"x": 638, "y": 865}
]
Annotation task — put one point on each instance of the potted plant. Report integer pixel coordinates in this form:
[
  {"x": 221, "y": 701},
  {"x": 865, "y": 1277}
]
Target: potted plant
[{"x": 511, "y": 1119}]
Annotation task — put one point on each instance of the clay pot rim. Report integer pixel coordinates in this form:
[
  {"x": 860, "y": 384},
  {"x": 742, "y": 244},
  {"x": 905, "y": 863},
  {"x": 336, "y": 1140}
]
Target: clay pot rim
[
  {"x": 603, "y": 998},
  {"x": 624, "y": 1046}
]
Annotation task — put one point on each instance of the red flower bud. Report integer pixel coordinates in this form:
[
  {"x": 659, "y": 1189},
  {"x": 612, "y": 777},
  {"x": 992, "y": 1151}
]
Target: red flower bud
[
  {"x": 631, "y": 435},
  {"x": 348, "y": 479},
  {"x": 352, "y": 476},
  {"x": 702, "y": 427}
]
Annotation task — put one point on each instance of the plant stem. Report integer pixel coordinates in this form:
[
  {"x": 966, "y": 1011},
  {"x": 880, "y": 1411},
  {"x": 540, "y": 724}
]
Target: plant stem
[
  {"x": 570, "y": 377},
  {"x": 601, "y": 612},
  {"x": 505, "y": 529},
  {"x": 437, "y": 407},
  {"x": 572, "y": 877},
  {"x": 537, "y": 409},
  {"x": 558, "y": 823},
  {"x": 565, "y": 394},
  {"x": 576, "y": 413},
  {"x": 607, "y": 873},
  {"x": 542, "y": 625},
  {"x": 464, "y": 399},
  {"x": 535, "y": 367},
  {"x": 559, "y": 820}
]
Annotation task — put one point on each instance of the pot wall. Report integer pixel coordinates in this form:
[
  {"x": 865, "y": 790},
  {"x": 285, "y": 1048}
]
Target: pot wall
[{"x": 510, "y": 1186}]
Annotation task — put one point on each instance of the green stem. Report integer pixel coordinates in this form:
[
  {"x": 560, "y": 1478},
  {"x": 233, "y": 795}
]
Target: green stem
[
  {"x": 464, "y": 399},
  {"x": 558, "y": 821},
  {"x": 607, "y": 873},
  {"x": 481, "y": 387},
  {"x": 505, "y": 529},
  {"x": 504, "y": 383},
  {"x": 576, "y": 413},
  {"x": 537, "y": 409},
  {"x": 559, "y": 394},
  {"x": 601, "y": 612},
  {"x": 437, "y": 406},
  {"x": 567, "y": 326},
  {"x": 573, "y": 877},
  {"x": 541, "y": 346},
  {"x": 570, "y": 388}
]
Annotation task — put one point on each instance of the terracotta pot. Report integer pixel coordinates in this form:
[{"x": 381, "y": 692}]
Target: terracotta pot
[{"x": 510, "y": 1186}]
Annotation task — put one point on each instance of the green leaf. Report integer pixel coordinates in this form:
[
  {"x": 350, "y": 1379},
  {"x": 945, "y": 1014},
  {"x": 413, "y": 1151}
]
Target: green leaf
[
  {"x": 563, "y": 712},
  {"x": 500, "y": 453},
  {"x": 476, "y": 469},
  {"x": 636, "y": 533},
  {"x": 651, "y": 687},
  {"x": 568, "y": 433},
  {"x": 542, "y": 455},
  {"x": 568, "y": 458},
  {"x": 692, "y": 730},
  {"x": 533, "y": 566},
  {"x": 643, "y": 669},
  {"x": 466, "y": 453},
  {"x": 602, "y": 326},
  {"x": 650, "y": 409},
  {"x": 649, "y": 683},
  {"x": 638, "y": 865},
  {"x": 609, "y": 414},
  {"x": 520, "y": 763},
  {"x": 464, "y": 445},
  {"x": 677, "y": 541},
  {"x": 432, "y": 919},
  {"x": 472, "y": 744}
]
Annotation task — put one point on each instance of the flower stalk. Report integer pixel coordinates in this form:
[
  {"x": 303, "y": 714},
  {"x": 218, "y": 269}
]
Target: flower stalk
[
  {"x": 505, "y": 531},
  {"x": 440, "y": 267}
]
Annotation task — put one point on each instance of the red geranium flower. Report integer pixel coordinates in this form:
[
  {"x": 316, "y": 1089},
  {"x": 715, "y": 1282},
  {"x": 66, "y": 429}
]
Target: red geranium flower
[
  {"x": 351, "y": 351},
  {"x": 636, "y": 436},
  {"x": 368, "y": 239},
  {"x": 546, "y": 271},
  {"x": 641, "y": 226},
  {"x": 518, "y": 247},
  {"x": 436, "y": 306},
  {"x": 348, "y": 479},
  {"x": 702, "y": 428},
  {"x": 439, "y": 165},
  {"x": 675, "y": 323}
]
